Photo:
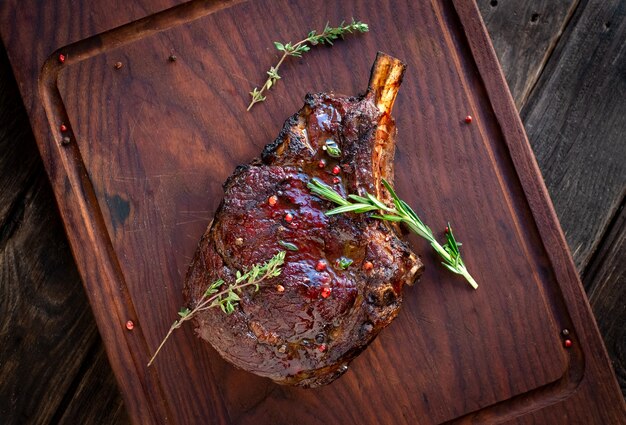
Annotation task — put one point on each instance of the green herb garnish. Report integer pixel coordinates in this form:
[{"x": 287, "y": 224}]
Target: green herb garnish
[
  {"x": 325, "y": 37},
  {"x": 288, "y": 245},
  {"x": 332, "y": 148},
  {"x": 401, "y": 213},
  {"x": 343, "y": 263},
  {"x": 227, "y": 298}
]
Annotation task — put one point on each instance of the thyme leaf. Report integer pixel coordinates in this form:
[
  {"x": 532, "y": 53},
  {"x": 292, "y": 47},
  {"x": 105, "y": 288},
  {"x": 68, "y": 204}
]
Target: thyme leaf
[
  {"x": 226, "y": 298},
  {"x": 327, "y": 36},
  {"x": 343, "y": 263}
]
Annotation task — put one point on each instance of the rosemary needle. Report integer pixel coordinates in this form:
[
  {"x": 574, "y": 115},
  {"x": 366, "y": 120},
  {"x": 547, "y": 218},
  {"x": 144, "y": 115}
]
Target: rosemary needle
[{"x": 401, "y": 212}]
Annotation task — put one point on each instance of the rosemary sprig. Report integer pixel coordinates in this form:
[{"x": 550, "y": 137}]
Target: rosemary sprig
[
  {"x": 227, "y": 298},
  {"x": 402, "y": 213},
  {"x": 327, "y": 36}
]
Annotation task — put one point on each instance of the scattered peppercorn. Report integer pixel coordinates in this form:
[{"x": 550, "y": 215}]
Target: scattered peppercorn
[
  {"x": 65, "y": 140},
  {"x": 320, "y": 266},
  {"x": 63, "y": 127},
  {"x": 322, "y": 348},
  {"x": 288, "y": 217},
  {"x": 172, "y": 58},
  {"x": 565, "y": 332},
  {"x": 336, "y": 180},
  {"x": 468, "y": 119},
  {"x": 130, "y": 325},
  {"x": 117, "y": 65},
  {"x": 272, "y": 200},
  {"x": 326, "y": 292},
  {"x": 567, "y": 343},
  {"x": 322, "y": 163},
  {"x": 368, "y": 265},
  {"x": 336, "y": 170},
  {"x": 62, "y": 58}
]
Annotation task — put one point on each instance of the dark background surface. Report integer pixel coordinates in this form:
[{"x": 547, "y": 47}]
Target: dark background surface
[{"x": 565, "y": 62}]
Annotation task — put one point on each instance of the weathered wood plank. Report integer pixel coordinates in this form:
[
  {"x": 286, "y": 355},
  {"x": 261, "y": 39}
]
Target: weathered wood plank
[
  {"x": 19, "y": 160},
  {"x": 576, "y": 120},
  {"x": 605, "y": 280},
  {"x": 96, "y": 399},
  {"x": 46, "y": 324},
  {"x": 524, "y": 34}
]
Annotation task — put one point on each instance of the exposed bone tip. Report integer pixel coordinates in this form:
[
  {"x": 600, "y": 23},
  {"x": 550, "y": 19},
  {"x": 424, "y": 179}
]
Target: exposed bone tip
[{"x": 386, "y": 77}]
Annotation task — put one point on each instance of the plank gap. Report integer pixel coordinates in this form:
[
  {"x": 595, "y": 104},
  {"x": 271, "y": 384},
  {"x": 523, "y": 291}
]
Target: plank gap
[
  {"x": 597, "y": 259},
  {"x": 605, "y": 282},
  {"x": 548, "y": 55}
]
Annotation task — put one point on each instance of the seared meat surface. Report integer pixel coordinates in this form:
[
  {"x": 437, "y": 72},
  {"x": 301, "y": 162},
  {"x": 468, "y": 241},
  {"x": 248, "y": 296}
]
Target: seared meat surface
[{"x": 344, "y": 282}]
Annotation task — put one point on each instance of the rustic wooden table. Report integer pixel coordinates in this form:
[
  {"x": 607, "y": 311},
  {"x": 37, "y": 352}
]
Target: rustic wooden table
[{"x": 565, "y": 64}]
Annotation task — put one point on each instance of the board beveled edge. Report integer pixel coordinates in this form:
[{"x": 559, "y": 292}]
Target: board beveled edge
[
  {"x": 569, "y": 285},
  {"x": 140, "y": 386},
  {"x": 86, "y": 210}
]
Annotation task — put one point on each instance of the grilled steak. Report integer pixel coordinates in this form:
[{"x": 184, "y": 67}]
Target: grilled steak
[{"x": 305, "y": 326}]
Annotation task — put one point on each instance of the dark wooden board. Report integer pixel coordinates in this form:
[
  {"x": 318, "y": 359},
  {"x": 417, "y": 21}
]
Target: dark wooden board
[
  {"x": 137, "y": 170},
  {"x": 465, "y": 71}
]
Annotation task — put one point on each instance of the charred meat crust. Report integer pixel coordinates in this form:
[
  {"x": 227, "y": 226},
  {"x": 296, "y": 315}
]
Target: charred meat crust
[{"x": 307, "y": 333}]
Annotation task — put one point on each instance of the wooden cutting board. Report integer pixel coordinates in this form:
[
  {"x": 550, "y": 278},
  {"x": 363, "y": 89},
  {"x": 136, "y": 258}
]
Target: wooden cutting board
[{"x": 151, "y": 143}]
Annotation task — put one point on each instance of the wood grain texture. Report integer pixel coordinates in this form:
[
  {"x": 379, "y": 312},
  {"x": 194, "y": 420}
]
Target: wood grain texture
[
  {"x": 508, "y": 25},
  {"x": 115, "y": 210},
  {"x": 157, "y": 192},
  {"x": 96, "y": 399},
  {"x": 605, "y": 280},
  {"x": 134, "y": 183},
  {"x": 20, "y": 160},
  {"x": 585, "y": 195},
  {"x": 524, "y": 34},
  {"x": 594, "y": 368},
  {"x": 46, "y": 23},
  {"x": 38, "y": 292},
  {"x": 589, "y": 65},
  {"x": 46, "y": 325}
]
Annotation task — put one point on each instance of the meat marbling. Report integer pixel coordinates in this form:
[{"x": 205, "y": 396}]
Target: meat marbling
[{"x": 307, "y": 334}]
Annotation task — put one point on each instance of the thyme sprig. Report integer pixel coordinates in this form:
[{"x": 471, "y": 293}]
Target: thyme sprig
[
  {"x": 327, "y": 36},
  {"x": 226, "y": 298},
  {"x": 402, "y": 213}
]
